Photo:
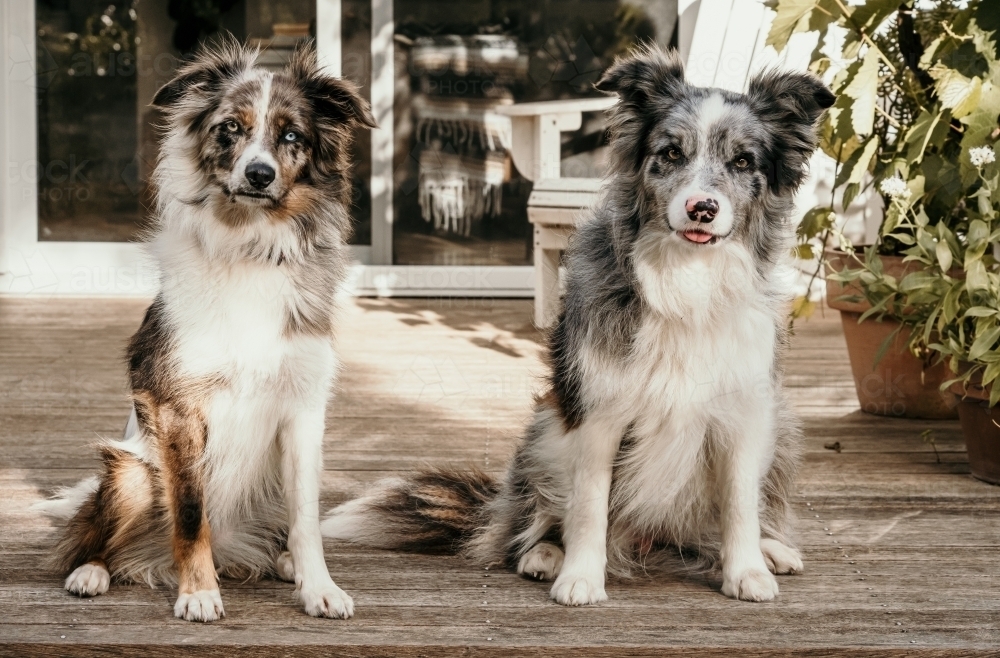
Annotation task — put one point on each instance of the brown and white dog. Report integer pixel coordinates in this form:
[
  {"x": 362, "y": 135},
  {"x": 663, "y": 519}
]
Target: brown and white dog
[{"x": 233, "y": 365}]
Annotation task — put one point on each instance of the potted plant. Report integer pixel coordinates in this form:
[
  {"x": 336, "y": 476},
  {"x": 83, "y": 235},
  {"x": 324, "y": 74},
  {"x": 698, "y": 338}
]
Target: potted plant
[
  {"x": 967, "y": 331},
  {"x": 916, "y": 89}
]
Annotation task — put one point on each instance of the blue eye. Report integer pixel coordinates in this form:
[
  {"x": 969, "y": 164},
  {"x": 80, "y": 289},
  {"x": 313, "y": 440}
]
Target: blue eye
[{"x": 291, "y": 136}]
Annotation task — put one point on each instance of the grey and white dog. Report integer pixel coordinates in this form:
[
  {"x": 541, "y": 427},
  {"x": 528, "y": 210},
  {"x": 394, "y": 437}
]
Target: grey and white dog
[{"x": 665, "y": 422}]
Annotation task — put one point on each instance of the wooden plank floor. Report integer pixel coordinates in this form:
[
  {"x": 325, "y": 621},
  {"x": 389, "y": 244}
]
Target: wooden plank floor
[{"x": 900, "y": 549}]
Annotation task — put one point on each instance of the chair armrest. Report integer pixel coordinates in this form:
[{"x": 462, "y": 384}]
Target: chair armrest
[
  {"x": 558, "y": 107},
  {"x": 536, "y": 127}
]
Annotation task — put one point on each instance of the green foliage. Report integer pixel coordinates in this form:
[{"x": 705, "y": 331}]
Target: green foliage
[{"x": 918, "y": 91}]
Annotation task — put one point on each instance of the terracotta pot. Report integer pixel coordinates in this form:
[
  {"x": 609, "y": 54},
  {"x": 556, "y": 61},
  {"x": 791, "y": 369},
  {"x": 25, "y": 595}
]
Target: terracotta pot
[
  {"x": 981, "y": 427},
  {"x": 900, "y": 384}
]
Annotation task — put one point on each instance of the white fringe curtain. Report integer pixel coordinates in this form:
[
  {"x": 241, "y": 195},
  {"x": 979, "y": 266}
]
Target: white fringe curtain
[
  {"x": 457, "y": 190},
  {"x": 464, "y": 141}
]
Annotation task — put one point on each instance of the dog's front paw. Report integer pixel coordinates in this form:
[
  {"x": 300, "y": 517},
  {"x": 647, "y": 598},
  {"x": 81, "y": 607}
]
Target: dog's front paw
[
  {"x": 751, "y": 585},
  {"x": 202, "y": 605},
  {"x": 88, "y": 579},
  {"x": 327, "y": 600},
  {"x": 542, "y": 562},
  {"x": 578, "y": 589},
  {"x": 780, "y": 559}
]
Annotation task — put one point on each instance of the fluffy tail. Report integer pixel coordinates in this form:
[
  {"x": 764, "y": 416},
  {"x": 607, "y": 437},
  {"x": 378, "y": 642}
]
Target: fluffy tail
[
  {"x": 436, "y": 511},
  {"x": 65, "y": 502}
]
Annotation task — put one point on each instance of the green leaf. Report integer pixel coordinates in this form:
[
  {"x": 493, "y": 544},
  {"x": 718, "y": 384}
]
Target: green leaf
[
  {"x": 917, "y": 280},
  {"x": 943, "y": 253},
  {"x": 929, "y": 325},
  {"x": 857, "y": 165},
  {"x": 851, "y": 193},
  {"x": 865, "y": 19},
  {"x": 991, "y": 372},
  {"x": 880, "y": 309},
  {"x": 983, "y": 343},
  {"x": 985, "y": 205},
  {"x": 825, "y": 13},
  {"x": 955, "y": 91},
  {"x": 979, "y": 233},
  {"x": 919, "y": 135},
  {"x": 863, "y": 88},
  {"x": 790, "y": 13},
  {"x": 928, "y": 58},
  {"x": 802, "y": 307},
  {"x": 815, "y": 221},
  {"x": 884, "y": 347},
  {"x": 872, "y": 13},
  {"x": 804, "y": 251},
  {"x": 980, "y": 312}
]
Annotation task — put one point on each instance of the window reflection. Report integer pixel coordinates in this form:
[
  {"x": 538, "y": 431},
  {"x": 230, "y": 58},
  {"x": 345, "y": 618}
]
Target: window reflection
[
  {"x": 100, "y": 63},
  {"x": 458, "y": 199}
]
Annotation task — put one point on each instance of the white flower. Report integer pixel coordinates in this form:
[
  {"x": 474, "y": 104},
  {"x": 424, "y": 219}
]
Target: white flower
[
  {"x": 895, "y": 187},
  {"x": 981, "y": 156}
]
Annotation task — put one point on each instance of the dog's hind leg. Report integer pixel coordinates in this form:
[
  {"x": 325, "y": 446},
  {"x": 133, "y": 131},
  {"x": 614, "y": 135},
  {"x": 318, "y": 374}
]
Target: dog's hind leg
[
  {"x": 81, "y": 550},
  {"x": 780, "y": 559},
  {"x": 181, "y": 436},
  {"x": 284, "y": 567},
  {"x": 89, "y": 579},
  {"x": 543, "y": 561},
  {"x": 101, "y": 512}
]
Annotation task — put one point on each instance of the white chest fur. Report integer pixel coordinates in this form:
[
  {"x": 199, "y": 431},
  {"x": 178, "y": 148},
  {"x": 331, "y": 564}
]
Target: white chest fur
[
  {"x": 228, "y": 322},
  {"x": 702, "y": 358}
]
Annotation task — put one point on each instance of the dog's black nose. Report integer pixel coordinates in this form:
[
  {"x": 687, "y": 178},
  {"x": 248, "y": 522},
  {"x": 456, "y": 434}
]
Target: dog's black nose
[
  {"x": 701, "y": 208},
  {"x": 259, "y": 174}
]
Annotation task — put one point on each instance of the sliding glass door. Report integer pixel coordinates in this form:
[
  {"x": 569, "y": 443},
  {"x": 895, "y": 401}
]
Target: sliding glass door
[
  {"x": 99, "y": 65},
  {"x": 457, "y": 198},
  {"x": 439, "y": 207}
]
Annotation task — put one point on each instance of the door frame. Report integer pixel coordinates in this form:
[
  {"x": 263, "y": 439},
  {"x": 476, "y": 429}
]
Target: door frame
[{"x": 29, "y": 266}]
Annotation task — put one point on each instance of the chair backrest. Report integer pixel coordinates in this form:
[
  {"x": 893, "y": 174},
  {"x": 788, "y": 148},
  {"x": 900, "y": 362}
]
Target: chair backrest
[{"x": 723, "y": 43}]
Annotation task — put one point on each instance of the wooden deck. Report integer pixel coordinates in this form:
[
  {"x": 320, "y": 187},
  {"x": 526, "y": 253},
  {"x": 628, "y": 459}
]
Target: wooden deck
[{"x": 900, "y": 550}]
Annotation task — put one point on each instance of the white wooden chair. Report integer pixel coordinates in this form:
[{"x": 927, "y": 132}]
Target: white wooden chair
[
  {"x": 555, "y": 202},
  {"x": 722, "y": 48}
]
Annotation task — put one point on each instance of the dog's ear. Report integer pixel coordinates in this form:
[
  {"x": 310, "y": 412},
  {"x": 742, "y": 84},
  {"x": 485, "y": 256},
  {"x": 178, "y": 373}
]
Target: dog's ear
[
  {"x": 790, "y": 104},
  {"x": 333, "y": 98},
  {"x": 205, "y": 75},
  {"x": 647, "y": 74},
  {"x": 789, "y": 96}
]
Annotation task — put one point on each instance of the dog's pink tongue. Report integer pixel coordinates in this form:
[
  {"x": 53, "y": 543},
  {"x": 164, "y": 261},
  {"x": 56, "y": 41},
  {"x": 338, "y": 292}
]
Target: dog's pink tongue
[{"x": 697, "y": 236}]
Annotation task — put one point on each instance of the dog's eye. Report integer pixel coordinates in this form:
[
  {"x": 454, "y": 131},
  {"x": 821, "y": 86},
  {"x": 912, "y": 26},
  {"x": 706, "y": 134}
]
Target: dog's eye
[
  {"x": 231, "y": 126},
  {"x": 674, "y": 154},
  {"x": 291, "y": 136},
  {"x": 742, "y": 163}
]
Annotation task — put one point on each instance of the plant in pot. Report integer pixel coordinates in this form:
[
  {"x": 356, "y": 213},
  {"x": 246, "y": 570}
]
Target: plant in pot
[
  {"x": 918, "y": 86},
  {"x": 962, "y": 321}
]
